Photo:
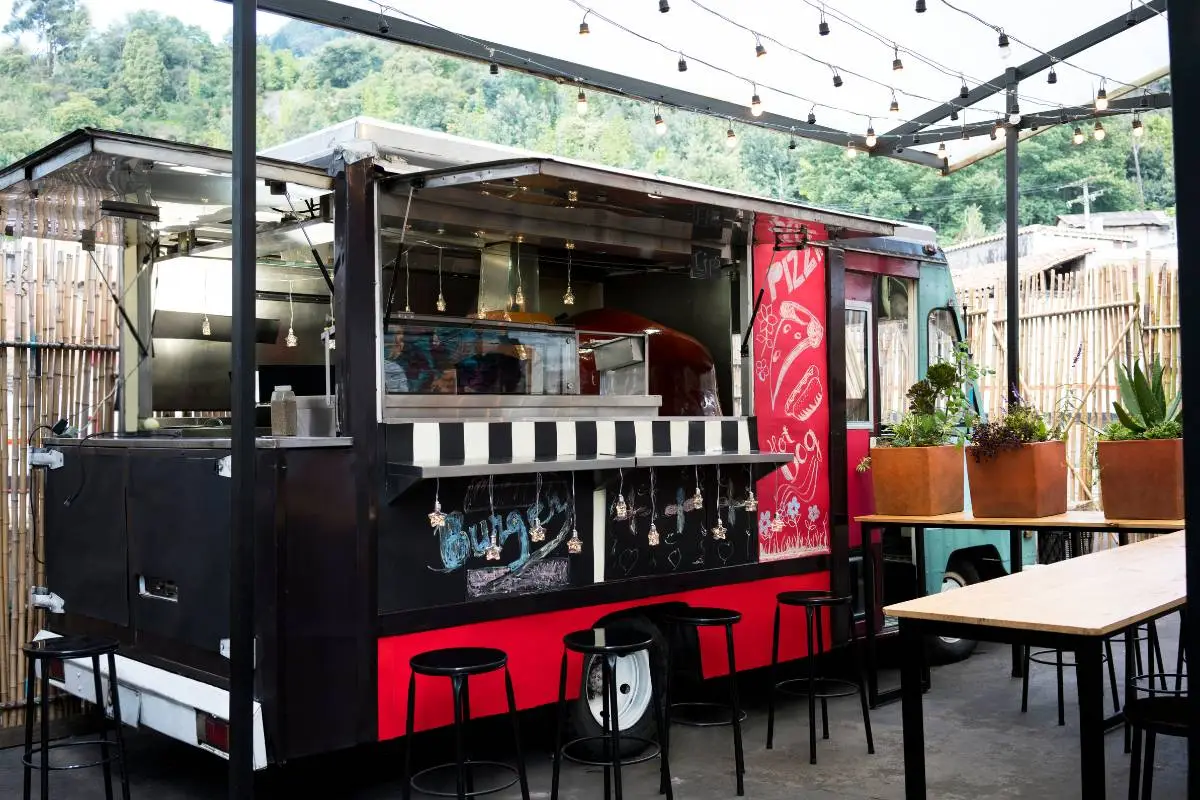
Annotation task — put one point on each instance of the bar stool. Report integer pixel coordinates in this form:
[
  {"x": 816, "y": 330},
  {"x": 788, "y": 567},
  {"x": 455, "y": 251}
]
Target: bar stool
[
  {"x": 63, "y": 648},
  {"x": 713, "y": 617},
  {"x": 1043, "y": 657},
  {"x": 458, "y": 664},
  {"x": 1152, "y": 710},
  {"x": 817, "y": 687},
  {"x": 609, "y": 643}
]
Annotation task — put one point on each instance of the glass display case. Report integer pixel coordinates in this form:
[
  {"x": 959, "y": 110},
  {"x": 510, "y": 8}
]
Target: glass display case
[{"x": 446, "y": 356}]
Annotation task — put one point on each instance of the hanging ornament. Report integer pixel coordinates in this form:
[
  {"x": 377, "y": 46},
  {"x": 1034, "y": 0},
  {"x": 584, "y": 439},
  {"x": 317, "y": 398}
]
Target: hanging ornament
[
  {"x": 569, "y": 296},
  {"x": 751, "y": 502},
  {"x": 620, "y": 509},
  {"x": 719, "y": 530},
  {"x": 437, "y": 519},
  {"x": 205, "y": 326},
  {"x": 441, "y": 300},
  {"x": 697, "y": 498},
  {"x": 492, "y": 553},
  {"x": 574, "y": 544},
  {"x": 407, "y": 284},
  {"x": 537, "y": 533},
  {"x": 290, "y": 340},
  {"x": 519, "y": 297},
  {"x": 652, "y": 537}
]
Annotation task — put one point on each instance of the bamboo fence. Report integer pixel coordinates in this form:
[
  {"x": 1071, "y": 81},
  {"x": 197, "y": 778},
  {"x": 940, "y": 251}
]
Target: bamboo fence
[
  {"x": 1076, "y": 327},
  {"x": 59, "y": 360}
]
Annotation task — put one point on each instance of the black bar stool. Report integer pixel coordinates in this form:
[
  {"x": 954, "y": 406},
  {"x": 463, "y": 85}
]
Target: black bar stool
[
  {"x": 817, "y": 687},
  {"x": 1153, "y": 710},
  {"x": 63, "y": 648},
  {"x": 610, "y": 643},
  {"x": 458, "y": 664},
  {"x": 1043, "y": 657},
  {"x": 712, "y": 617}
]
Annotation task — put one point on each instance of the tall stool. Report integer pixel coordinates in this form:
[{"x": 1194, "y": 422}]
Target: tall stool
[
  {"x": 63, "y": 648},
  {"x": 610, "y": 643},
  {"x": 1043, "y": 657},
  {"x": 458, "y": 664},
  {"x": 1152, "y": 710},
  {"x": 815, "y": 686},
  {"x": 712, "y": 617}
]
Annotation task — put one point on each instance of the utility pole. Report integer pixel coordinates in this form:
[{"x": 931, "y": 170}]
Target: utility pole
[{"x": 1084, "y": 199}]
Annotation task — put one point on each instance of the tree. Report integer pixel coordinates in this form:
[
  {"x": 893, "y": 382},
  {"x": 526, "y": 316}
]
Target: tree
[
  {"x": 142, "y": 70},
  {"x": 78, "y": 111},
  {"x": 343, "y": 62},
  {"x": 58, "y": 24},
  {"x": 972, "y": 225}
]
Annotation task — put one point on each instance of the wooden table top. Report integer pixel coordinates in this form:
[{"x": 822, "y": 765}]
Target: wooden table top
[
  {"x": 1093, "y": 595},
  {"x": 1078, "y": 520}
]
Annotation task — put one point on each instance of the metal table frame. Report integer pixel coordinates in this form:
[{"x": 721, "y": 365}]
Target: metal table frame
[{"x": 874, "y": 695}]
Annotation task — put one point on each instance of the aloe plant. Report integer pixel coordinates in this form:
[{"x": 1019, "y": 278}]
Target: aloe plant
[{"x": 1143, "y": 411}]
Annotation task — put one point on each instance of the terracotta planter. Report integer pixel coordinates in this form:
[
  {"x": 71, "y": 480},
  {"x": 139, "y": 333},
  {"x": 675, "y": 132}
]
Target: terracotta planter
[
  {"x": 1030, "y": 481},
  {"x": 1142, "y": 479},
  {"x": 917, "y": 481}
]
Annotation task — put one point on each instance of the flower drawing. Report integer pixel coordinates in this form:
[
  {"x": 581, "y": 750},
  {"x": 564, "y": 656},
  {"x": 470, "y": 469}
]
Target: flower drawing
[
  {"x": 814, "y": 513},
  {"x": 793, "y": 508}
]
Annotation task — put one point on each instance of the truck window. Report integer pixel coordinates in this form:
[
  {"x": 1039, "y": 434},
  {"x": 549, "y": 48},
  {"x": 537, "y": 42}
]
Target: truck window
[
  {"x": 858, "y": 360},
  {"x": 943, "y": 335},
  {"x": 896, "y": 345}
]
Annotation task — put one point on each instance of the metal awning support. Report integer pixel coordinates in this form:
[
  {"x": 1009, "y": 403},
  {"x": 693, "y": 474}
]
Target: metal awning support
[
  {"x": 1182, "y": 25},
  {"x": 242, "y": 404}
]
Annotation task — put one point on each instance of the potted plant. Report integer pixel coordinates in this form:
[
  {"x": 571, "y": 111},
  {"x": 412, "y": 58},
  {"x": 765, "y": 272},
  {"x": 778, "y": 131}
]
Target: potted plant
[
  {"x": 917, "y": 464},
  {"x": 1017, "y": 465},
  {"x": 1141, "y": 453}
]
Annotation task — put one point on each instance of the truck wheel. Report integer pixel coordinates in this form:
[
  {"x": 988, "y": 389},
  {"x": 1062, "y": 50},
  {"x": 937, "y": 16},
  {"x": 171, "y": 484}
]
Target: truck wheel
[
  {"x": 948, "y": 649},
  {"x": 635, "y": 708}
]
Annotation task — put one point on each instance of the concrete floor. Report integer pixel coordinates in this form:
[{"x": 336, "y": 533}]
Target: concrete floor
[{"x": 978, "y": 745}]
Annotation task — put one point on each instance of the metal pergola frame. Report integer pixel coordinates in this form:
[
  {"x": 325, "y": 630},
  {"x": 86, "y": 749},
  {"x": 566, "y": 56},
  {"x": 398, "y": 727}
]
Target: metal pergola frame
[{"x": 1185, "y": 51}]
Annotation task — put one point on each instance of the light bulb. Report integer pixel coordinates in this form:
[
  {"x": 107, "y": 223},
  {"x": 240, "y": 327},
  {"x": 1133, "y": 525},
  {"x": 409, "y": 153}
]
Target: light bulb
[
  {"x": 1101, "y": 99},
  {"x": 569, "y": 297},
  {"x": 897, "y": 64},
  {"x": 1099, "y": 132},
  {"x": 1014, "y": 118},
  {"x": 751, "y": 502},
  {"x": 1078, "y": 137},
  {"x": 1052, "y": 77},
  {"x": 574, "y": 544},
  {"x": 812, "y": 118},
  {"x": 1005, "y": 50},
  {"x": 682, "y": 64},
  {"x": 823, "y": 28},
  {"x": 894, "y": 108},
  {"x": 920, "y": 6},
  {"x": 494, "y": 68},
  {"x": 660, "y": 125},
  {"x": 1137, "y": 127},
  {"x": 963, "y": 91},
  {"x": 441, "y": 302},
  {"x": 851, "y": 151},
  {"x": 792, "y": 144},
  {"x": 652, "y": 537},
  {"x": 584, "y": 30},
  {"x": 756, "y": 106},
  {"x": 759, "y": 50},
  {"x": 837, "y": 81},
  {"x": 954, "y": 114},
  {"x": 730, "y": 139},
  {"x": 1000, "y": 130},
  {"x": 581, "y": 103},
  {"x": 872, "y": 139},
  {"x": 664, "y": 6}
]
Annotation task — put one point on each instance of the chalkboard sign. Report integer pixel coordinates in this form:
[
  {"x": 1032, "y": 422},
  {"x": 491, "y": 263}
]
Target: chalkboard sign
[
  {"x": 686, "y": 541},
  {"x": 421, "y": 565}
]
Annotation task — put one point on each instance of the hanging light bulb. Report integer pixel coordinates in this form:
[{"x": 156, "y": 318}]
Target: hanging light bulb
[
  {"x": 897, "y": 64},
  {"x": 837, "y": 80},
  {"x": 290, "y": 340},
  {"x": 660, "y": 125},
  {"x": 581, "y": 105},
  {"x": 1101, "y": 98},
  {"x": 652, "y": 538},
  {"x": 851, "y": 150},
  {"x": 1099, "y": 131},
  {"x": 999, "y": 130},
  {"x": 963, "y": 91},
  {"x": 205, "y": 326},
  {"x": 730, "y": 138},
  {"x": 1138, "y": 130},
  {"x": 872, "y": 139},
  {"x": 920, "y": 6},
  {"x": 620, "y": 509},
  {"x": 759, "y": 50},
  {"x": 519, "y": 297},
  {"x": 823, "y": 28},
  {"x": 1052, "y": 77},
  {"x": 792, "y": 143},
  {"x": 441, "y": 300},
  {"x": 682, "y": 63},
  {"x": 954, "y": 114},
  {"x": 569, "y": 296},
  {"x": 1014, "y": 116},
  {"x": 751, "y": 502},
  {"x": 1005, "y": 50},
  {"x": 494, "y": 68},
  {"x": 663, "y": 6},
  {"x": 538, "y": 532},
  {"x": 812, "y": 116},
  {"x": 1078, "y": 137},
  {"x": 942, "y": 149},
  {"x": 584, "y": 30},
  {"x": 894, "y": 108},
  {"x": 756, "y": 108}
]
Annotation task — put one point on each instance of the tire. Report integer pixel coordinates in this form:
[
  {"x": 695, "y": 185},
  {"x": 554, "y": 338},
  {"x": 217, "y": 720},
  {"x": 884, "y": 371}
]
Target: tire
[
  {"x": 944, "y": 649},
  {"x": 635, "y": 710}
]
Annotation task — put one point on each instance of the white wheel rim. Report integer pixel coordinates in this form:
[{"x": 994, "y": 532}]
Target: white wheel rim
[
  {"x": 634, "y": 684},
  {"x": 948, "y": 585}
]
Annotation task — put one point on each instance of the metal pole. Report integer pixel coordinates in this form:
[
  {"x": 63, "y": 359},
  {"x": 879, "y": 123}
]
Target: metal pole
[
  {"x": 241, "y": 546},
  {"x": 1012, "y": 296},
  {"x": 1182, "y": 25}
]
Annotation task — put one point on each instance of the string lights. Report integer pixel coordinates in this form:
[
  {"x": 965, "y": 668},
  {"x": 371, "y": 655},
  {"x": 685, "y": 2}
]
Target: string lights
[
  {"x": 897, "y": 64},
  {"x": 759, "y": 50},
  {"x": 1136, "y": 126},
  {"x": 872, "y": 139},
  {"x": 581, "y": 104},
  {"x": 1101, "y": 97},
  {"x": 756, "y": 108},
  {"x": 1077, "y": 138},
  {"x": 731, "y": 137},
  {"x": 1005, "y": 50},
  {"x": 1098, "y": 132},
  {"x": 660, "y": 125},
  {"x": 584, "y": 30}
]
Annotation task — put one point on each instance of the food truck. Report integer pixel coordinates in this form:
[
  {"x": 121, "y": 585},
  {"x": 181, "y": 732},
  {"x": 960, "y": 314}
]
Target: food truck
[{"x": 532, "y": 394}]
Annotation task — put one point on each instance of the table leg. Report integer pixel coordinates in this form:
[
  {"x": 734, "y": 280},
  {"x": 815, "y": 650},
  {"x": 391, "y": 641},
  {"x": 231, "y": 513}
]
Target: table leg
[
  {"x": 919, "y": 550},
  {"x": 1015, "y": 564},
  {"x": 868, "y": 558},
  {"x": 912, "y": 646},
  {"x": 1090, "y": 680}
]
